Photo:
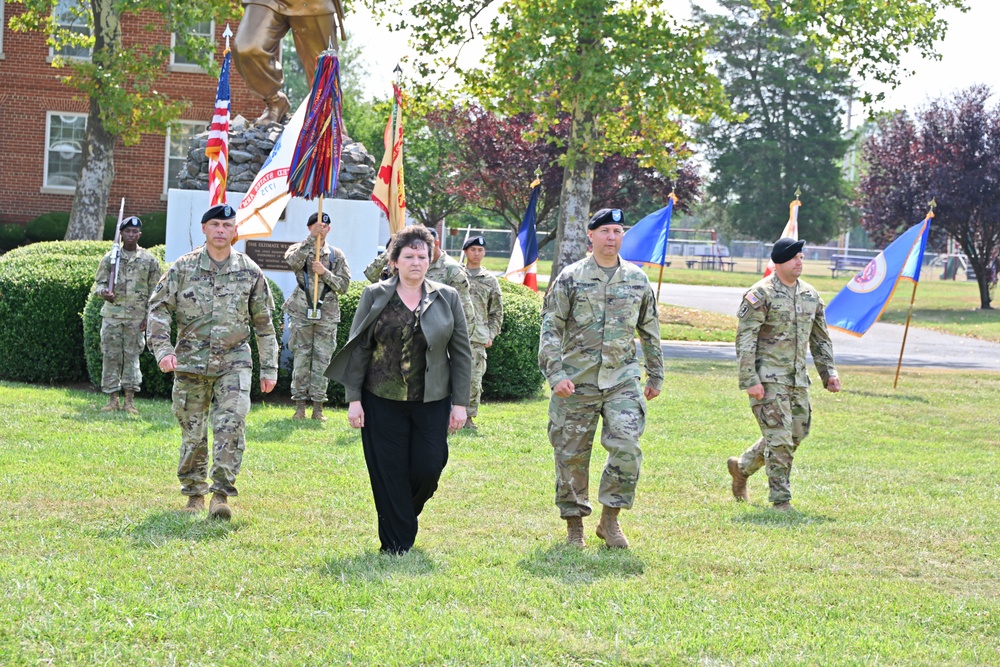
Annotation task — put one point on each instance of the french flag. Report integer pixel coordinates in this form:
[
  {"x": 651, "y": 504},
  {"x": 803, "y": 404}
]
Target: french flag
[{"x": 523, "y": 266}]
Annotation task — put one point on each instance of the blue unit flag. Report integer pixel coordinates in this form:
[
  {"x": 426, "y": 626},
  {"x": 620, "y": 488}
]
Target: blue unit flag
[
  {"x": 862, "y": 301},
  {"x": 646, "y": 241}
]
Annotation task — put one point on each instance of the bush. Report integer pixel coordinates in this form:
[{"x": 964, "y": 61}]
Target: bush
[
  {"x": 48, "y": 227},
  {"x": 154, "y": 381},
  {"x": 512, "y": 368},
  {"x": 11, "y": 236},
  {"x": 154, "y": 228},
  {"x": 512, "y": 363},
  {"x": 43, "y": 289}
]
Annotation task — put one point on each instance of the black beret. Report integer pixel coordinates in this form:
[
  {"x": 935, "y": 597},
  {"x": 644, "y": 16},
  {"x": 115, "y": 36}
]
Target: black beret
[
  {"x": 606, "y": 216},
  {"x": 785, "y": 250},
  {"x": 315, "y": 216},
  {"x": 220, "y": 212},
  {"x": 474, "y": 240},
  {"x": 131, "y": 221}
]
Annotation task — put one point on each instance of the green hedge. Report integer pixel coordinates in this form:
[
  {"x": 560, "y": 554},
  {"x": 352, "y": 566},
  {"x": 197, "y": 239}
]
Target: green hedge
[
  {"x": 52, "y": 227},
  {"x": 512, "y": 367},
  {"x": 154, "y": 381},
  {"x": 512, "y": 362},
  {"x": 43, "y": 289},
  {"x": 11, "y": 236}
]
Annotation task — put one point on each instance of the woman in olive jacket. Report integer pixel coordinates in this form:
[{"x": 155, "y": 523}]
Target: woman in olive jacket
[{"x": 407, "y": 372}]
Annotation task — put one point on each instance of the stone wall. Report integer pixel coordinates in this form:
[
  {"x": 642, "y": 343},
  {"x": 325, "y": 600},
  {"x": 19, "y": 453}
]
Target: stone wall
[{"x": 249, "y": 147}]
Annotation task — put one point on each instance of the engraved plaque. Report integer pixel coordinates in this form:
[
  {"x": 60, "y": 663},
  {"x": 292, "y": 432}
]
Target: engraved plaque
[{"x": 269, "y": 255}]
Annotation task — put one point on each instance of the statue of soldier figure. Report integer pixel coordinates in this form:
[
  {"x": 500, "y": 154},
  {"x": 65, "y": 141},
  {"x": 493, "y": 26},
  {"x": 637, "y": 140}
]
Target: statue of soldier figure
[{"x": 257, "y": 46}]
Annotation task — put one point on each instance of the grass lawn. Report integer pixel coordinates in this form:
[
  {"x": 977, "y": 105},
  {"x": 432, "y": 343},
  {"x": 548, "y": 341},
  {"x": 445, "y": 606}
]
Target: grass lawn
[{"x": 891, "y": 559}]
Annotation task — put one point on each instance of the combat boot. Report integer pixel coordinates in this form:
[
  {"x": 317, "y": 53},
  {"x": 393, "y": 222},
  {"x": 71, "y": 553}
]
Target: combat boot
[
  {"x": 574, "y": 532},
  {"x": 300, "y": 410},
  {"x": 471, "y": 425},
  {"x": 609, "y": 530},
  {"x": 195, "y": 505},
  {"x": 318, "y": 411},
  {"x": 219, "y": 508},
  {"x": 739, "y": 480},
  {"x": 129, "y": 406},
  {"x": 112, "y": 403},
  {"x": 784, "y": 506},
  {"x": 276, "y": 107}
]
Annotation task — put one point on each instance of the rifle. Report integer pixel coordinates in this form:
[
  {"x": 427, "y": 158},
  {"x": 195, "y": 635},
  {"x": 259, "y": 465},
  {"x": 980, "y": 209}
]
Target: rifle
[{"x": 116, "y": 251}]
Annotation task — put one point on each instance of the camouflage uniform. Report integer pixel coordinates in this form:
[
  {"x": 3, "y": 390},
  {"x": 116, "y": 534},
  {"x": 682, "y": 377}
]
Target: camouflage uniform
[
  {"x": 122, "y": 337},
  {"x": 313, "y": 342},
  {"x": 379, "y": 268},
  {"x": 587, "y": 336},
  {"x": 487, "y": 303},
  {"x": 777, "y": 324},
  {"x": 214, "y": 312}
]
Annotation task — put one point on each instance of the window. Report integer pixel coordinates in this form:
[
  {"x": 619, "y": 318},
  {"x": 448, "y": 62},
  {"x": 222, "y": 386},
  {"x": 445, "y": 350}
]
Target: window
[
  {"x": 204, "y": 29},
  {"x": 65, "y": 134},
  {"x": 74, "y": 16},
  {"x": 179, "y": 137}
]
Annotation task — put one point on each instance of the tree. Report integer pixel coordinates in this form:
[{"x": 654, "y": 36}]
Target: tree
[
  {"x": 791, "y": 136},
  {"x": 119, "y": 79},
  {"x": 949, "y": 152},
  {"x": 496, "y": 155},
  {"x": 625, "y": 71}
]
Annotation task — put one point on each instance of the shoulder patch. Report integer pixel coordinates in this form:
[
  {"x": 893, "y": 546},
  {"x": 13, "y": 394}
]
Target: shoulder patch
[
  {"x": 744, "y": 309},
  {"x": 751, "y": 298}
]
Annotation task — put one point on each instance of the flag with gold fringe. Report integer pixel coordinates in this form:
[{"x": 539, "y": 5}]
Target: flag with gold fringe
[{"x": 389, "y": 193}]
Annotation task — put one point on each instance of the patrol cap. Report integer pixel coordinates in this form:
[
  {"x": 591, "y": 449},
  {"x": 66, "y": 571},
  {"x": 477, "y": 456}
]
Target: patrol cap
[
  {"x": 220, "y": 212},
  {"x": 785, "y": 250},
  {"x": 606, "y": 216},
  {"x": 315, "y": 216},
  {"x": 130, "y": 222},
  {"x": 474, "y": 240}
]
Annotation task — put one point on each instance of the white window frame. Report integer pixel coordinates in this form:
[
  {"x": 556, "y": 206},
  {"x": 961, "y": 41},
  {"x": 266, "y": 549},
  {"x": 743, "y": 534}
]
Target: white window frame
[
  {"x": 166, "y": 149},
  {"x": 55, "y": 189},
  {"x": 175, "y": 66},
  {"x": 52, "y": 52}
]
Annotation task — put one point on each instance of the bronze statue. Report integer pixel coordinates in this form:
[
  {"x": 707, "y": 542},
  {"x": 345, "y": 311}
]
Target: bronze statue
[{"x": 257, "y": 46}]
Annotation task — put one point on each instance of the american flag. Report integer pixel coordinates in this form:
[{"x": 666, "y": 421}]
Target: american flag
[{"x": 217, "y": 149}]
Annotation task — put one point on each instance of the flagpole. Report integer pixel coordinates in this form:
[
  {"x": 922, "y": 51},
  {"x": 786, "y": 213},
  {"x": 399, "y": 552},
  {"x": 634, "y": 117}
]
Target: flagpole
[
  {"x": 659, "y": 283},
  {"x": 902, "y": 347},
  {"x": 909, "y": 314},
  {"x": 663, "y": 258}
]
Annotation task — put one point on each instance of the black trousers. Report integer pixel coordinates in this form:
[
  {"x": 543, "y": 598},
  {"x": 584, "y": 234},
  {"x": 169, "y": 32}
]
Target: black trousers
[{"x": 406, "y": 449}]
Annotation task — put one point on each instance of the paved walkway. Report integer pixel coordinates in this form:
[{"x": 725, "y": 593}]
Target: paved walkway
[{"x": 878, "y": 347}]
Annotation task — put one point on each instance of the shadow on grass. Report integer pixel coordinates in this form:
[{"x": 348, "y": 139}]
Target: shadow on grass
[
  {"x": 161, "y": 527},
  {"x": 769, "y": 517},
  {"x": 886, "y": 395},
  {"x": 580, "y": 566},
  {"x": 149, "y": 419},
  {"x": 376, "y": 566}
]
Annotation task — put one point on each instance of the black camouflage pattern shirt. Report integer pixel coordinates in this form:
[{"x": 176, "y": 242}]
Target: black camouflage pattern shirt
[{"x": 396, "y": 370}]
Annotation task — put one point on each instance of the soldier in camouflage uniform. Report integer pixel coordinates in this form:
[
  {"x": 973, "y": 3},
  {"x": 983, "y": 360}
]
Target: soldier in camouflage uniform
[
  {"x": 587, "y": 353},
  {"x": 123, "y": 315},
  {"x": 779, "y": 318},
  {"x": 216, "y": 294},
  {"x": 488, "y": 305},
  {"x": 313, "y": 342}
]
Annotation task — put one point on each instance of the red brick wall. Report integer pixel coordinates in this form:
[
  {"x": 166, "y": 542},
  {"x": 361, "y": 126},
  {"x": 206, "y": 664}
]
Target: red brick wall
[{"x": 30, "y": 87}]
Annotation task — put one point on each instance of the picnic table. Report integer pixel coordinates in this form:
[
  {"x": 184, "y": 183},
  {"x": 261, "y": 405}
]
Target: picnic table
[{"x": 847, "y": 263}]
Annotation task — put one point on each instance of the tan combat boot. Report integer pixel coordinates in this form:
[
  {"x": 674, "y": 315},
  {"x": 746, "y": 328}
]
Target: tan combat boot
[
  {"x": 574, "y": 532},
  {"x": 300, "y": 410},
  {"x": 318, "y": 411},
  {"x": 195, "y": 505},
  {"x": 739, "y": 480},
  {"x": 277, "y": 107},
  {"x": 609, "y": 530},
  {"x": 783, "y": 507},
  {"x": 112, "y": 403},
  {"x": 471, "y": 425},
  {"x": 219, "y": 508},
  {"x": 129, "y": 406}
]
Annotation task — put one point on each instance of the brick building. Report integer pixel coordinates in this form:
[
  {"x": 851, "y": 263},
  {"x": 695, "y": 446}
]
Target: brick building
[{"x": 43, "y": 124}]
